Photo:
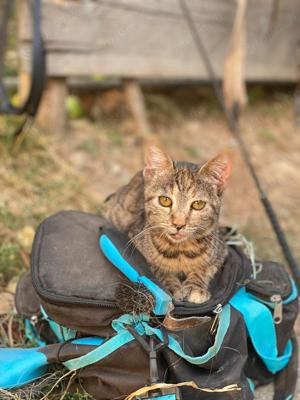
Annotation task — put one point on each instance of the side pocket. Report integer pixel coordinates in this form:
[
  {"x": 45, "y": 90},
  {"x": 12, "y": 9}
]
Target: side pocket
[
  {"x": 275, "y": 288},
  {"x": 261, "y": 330},
  {"x": 269, "y": 306},
  {"x": 27, "y": 301}
]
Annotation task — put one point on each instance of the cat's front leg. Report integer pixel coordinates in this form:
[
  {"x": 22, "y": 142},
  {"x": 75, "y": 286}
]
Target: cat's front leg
[{"x": 174, "y": 286}]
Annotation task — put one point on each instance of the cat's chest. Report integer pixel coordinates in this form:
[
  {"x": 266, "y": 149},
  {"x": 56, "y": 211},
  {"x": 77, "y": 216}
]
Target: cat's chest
[{"x": 179, "y": 263}]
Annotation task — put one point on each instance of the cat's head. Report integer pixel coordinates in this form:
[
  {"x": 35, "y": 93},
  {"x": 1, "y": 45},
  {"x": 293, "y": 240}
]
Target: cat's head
[{"x": 183, "y": 200}]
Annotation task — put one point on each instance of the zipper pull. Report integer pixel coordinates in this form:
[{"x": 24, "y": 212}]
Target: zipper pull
[
  {"x": 34, "y": 319},
  {"x": 214, "y": 325},
  {"x": 277, "y": 314},
  {"x": 218, "y": 309}
]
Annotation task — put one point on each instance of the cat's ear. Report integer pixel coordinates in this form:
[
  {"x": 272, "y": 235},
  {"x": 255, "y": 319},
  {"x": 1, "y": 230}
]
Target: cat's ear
[
  {"x": 157, "y": 161},
  {"x": 217, "y": 171}
]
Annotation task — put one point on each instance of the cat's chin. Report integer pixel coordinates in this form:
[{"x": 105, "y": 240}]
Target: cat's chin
[{"x": 177, "y": 237}]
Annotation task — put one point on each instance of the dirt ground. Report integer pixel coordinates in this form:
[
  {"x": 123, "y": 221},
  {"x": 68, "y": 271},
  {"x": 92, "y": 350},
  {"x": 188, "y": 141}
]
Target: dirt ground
[{"x": 77, "y": 170}]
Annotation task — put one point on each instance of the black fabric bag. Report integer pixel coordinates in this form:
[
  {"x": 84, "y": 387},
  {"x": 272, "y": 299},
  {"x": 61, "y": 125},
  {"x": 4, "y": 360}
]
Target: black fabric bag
[{"x": 75, "y": 285}]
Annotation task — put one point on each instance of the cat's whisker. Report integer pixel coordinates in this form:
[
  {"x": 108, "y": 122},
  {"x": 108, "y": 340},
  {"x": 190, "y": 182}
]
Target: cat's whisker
[
  {"x": 134, "y": 240},
  {"x": 145, "y": 230}
]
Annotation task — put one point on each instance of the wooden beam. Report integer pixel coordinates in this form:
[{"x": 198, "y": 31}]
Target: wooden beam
[
  {"x": 52, "y": 111},
  {"x": 136, "y": 104},
  {"x": 151, "y": 39}
]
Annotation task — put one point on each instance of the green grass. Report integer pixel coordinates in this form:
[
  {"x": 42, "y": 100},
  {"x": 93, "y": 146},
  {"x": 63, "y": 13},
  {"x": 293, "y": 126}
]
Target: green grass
[
  {"x": 115, "y": 137},
  {"x": 11, "y": 262},
  {"x": 192, "y": 151},
  {"x": 268, "y": 135}
]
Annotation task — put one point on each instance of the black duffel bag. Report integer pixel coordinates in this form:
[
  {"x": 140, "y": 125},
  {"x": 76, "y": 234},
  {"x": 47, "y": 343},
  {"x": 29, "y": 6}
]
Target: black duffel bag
[{"x": 216, "y": 350}]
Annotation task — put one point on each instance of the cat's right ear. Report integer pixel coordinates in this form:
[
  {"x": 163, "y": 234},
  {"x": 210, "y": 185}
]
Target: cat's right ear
[{"x": 157, "y": 162}]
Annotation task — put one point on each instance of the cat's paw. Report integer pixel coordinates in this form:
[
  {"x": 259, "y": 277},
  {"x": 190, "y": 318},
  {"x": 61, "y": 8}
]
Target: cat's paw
[
  {"x": 178, "y": 295},
  {"x": 197, "y": 296},
  {"x": 182, "y": 293}
]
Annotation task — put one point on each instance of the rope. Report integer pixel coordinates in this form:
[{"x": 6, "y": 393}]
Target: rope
[
  {"x": 159, "y": 386},
  {"x": 232, "y": 119},
  {"x": 235, "y": 238}
]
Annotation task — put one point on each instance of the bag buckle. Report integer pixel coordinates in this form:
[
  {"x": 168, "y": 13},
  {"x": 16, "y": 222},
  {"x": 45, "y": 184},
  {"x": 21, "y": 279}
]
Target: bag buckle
[
  {"x": 162, "y": 394},
  {"x": 152, "y": 348}
]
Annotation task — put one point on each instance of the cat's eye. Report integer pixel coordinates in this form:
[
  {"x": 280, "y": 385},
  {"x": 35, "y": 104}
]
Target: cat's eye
[
  {"x": 198, "y": 205},
  {"x": 165, "y": 201}
]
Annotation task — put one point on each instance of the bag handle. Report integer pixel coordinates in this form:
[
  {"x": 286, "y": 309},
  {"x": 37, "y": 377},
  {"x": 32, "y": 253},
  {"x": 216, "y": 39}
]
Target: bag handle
[{"x": 38, "y": 70}]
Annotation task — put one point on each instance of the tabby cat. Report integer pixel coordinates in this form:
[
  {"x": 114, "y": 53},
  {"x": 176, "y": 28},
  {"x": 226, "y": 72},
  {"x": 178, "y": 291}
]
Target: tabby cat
[{"x": 170, "y": 210}]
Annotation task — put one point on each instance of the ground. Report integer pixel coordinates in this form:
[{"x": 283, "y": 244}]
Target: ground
[{"x": 51, "y": 171}]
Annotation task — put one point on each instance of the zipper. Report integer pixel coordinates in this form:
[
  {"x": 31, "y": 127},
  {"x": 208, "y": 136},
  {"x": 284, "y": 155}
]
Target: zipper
[
  {"x": 276, "y": 299},
  {"x": 265, "y": 289},
  {"x": 34, "y": 320},
  {"x": 57, "y": 299},
  {"x": 179, "y": 309},
  {"x": 215, "y": 323},
  {"x": 276, "y": 303}
]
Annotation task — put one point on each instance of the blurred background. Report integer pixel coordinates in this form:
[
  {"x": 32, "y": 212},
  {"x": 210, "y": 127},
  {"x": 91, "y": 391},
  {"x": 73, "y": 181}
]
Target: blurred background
[{"x": 120, "y": 73}]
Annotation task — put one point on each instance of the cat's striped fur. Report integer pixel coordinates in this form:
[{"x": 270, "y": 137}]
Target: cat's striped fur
[{"x": 182, "y": 245}]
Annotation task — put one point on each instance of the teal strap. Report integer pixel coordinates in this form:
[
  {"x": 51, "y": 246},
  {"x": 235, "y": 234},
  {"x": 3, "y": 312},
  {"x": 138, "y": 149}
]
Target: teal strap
[
  {"x": 111, "y": 252},
  {"x": 261, "y": 329},
  {"x": 61, "y": 332},
  {"x": 141, "y": 326},
  {"x": 292, "y": 296},
  {"x": 32, "y": 334},
  {"x": 100, "y": 352},
  {"x": 251, "y": 384},
  {"x": 212, "y": 351}
]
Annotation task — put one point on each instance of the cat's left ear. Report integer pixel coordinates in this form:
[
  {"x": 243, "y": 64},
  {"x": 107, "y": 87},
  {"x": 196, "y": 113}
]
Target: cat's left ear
[
  {"x": 217, "y": 171},
  {"x": 157, "y": 162}
]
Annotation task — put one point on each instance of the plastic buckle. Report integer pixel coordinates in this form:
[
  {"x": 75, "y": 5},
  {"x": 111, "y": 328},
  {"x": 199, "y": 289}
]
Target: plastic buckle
[
  {"x": 162, "y": 394},
  {"x": 152, "y": 348}
]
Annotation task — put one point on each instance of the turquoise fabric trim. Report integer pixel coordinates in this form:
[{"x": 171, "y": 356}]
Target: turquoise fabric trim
[
  {"x": 104, "y": 350},
  {"x": 291, "y": 297},
  {"x": 90, "y": 341},
  {"x": 261, "y": 329},
  {"x": 290, "y": 397},
  {"x": 19, "y": 367},
  {"x": 32, "y": 334},
  {"x": 212, "y": 351},
  {"x": 251, "y": 384},
  {"x": 162, "y": 299},
  {"x": 61, "y": 332},
  {"x": 294, "y": 293},
  {"x": 165, "y": 397},
  {"x": 141, "y": 326}
]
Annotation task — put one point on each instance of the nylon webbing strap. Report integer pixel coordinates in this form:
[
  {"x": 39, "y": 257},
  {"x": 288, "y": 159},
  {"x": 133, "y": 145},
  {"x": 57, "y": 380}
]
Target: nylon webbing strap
[
  {"x": 261, "y": 329},
  {"x": 142, "y": 327},
  {"x": 61, "y": 332}
]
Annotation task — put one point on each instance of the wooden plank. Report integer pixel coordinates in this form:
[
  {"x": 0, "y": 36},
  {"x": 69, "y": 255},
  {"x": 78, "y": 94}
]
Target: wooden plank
[
  {"x": 132, "y": 38},
  {"x": 137, "y": 107},
  {"x": 52, "y": 110}
]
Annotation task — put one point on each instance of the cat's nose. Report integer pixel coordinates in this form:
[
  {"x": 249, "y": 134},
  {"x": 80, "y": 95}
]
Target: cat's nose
[{"x": 179, "y": 227}]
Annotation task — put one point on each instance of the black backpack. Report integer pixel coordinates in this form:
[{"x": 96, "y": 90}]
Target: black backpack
[{"x": 240, "y": 338}]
